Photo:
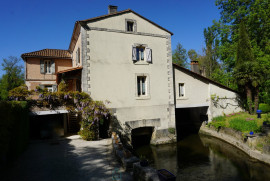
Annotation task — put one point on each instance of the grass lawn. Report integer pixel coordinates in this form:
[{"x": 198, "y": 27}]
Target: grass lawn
[{"x": 243, "y": 122}]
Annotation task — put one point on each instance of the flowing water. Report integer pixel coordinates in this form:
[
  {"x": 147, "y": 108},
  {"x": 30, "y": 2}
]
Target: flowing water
[{"x": 199, "y": 157}]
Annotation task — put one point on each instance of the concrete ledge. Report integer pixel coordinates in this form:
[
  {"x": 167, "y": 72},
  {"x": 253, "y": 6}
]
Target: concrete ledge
[{"x": 239, "y": 143}]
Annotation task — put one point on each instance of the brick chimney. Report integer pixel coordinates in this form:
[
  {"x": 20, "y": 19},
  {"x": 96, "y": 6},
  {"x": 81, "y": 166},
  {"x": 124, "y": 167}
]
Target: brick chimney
[
  {"x": 112, "y": 9},
  {"x": 194, "y": 66}
]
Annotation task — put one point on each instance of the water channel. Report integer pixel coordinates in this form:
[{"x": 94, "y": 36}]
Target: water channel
[{"x": 199, "y": 157}]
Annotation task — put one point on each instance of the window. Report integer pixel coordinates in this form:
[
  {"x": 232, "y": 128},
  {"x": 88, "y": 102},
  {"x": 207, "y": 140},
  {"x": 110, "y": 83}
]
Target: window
[
  {"x": 181, "y": 90},
  {"x": 141, "y": 86},
  {"x": 78, "y": 56},
  {"x": 130, "y": 26},
  {"x": 47, "y": 66},
  {"x": 141, "y": 53},
  {"x": 49, "y": 87}
]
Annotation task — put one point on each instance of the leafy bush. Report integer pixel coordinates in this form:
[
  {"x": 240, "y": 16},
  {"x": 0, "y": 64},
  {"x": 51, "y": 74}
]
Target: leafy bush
[
  {"x": 242, "y": 125},
  {"x": 217, "y": 124},
  {"x": 264, "y": 107}
]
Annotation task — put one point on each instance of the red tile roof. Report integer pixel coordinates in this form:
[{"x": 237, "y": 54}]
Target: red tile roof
[{"x": 49, "y": 53}]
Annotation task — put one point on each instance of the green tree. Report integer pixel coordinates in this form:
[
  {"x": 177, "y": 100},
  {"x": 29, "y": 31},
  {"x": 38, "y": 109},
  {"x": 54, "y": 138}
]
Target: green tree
[
  {"x": 248, "y": 73},
  {"x": 193, "y": 55},
  {"x": 13, "y": 76},
  {"x": 179, "y": 56}
]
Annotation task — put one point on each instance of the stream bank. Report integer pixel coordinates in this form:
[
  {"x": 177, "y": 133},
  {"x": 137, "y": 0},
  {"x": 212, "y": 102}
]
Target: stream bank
[{"x": 246, "y": 144}]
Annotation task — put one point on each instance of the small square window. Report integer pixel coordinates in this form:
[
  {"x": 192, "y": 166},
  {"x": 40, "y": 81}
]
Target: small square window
[
  {"x": 181, "y": 90},
  {"x": 130, "y": 26}
]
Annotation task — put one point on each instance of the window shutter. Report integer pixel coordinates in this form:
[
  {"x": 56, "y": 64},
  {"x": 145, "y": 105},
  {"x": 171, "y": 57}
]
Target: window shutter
[
  {"x": 42, "y": 71},
  {"x": 52, "y": 67},
  {"x": 134, "y": 54},
  {"x": 148, "y": 53},
  {"x": 54, "y": 87}
]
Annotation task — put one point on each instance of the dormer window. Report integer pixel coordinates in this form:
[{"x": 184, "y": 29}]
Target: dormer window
[{"x": 130, "y": 26}]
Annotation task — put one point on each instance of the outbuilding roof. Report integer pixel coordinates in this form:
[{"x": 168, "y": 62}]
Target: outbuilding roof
[
  {"x": 194, "y": 74},
  {"x": 48, "y": 53}
]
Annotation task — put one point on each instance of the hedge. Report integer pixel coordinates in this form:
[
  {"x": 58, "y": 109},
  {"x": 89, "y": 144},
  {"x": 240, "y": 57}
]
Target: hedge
[
  {"x": 14, "y": 130},
  {"x": 264, "y": 107}
]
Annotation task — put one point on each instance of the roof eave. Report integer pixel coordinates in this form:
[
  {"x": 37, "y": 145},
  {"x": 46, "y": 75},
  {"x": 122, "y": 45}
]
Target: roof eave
[{"x": 205, "y": 78}]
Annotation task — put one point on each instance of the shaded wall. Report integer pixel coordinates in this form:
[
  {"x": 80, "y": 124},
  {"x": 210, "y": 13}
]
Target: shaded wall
[{"x": 189, "y": 120}]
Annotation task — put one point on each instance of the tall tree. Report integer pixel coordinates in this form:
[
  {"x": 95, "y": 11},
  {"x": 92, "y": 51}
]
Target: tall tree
[
  {"x": 13, "y": 76},
  {"x": 247, "y": 71},
  {"x": 193, "y": 55},
  {"x": 210, "y": 60},
  {"x": 180, "y": 56}
]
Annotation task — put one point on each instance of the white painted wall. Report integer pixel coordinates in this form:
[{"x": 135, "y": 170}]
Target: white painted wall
[
  {"x": 227, "y": 102},
  {"x": 199, "y": 92},
  {"x": 113, "y": 73}
]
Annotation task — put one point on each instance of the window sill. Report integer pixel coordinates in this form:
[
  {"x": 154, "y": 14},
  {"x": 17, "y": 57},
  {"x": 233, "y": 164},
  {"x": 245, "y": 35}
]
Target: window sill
[
  {"x": 182, "y": 98},
  {"x": 142, "y": 97},
  {"x": 140, "y": 62}
]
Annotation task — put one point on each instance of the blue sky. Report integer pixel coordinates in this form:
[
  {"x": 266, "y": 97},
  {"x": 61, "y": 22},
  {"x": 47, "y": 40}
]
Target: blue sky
[{"x": 30, "y": 25}]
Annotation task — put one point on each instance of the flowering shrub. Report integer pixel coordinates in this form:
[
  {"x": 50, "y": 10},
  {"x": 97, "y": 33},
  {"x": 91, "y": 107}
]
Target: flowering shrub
[
  {"x": 93, "y": 113},
  {"x": 19, "y": 93}
]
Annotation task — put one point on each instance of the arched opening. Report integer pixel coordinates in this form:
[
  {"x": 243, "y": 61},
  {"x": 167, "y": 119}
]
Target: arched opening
[
  {"x": 189, "y": 120},
  {"x": 141, "y": 136}
]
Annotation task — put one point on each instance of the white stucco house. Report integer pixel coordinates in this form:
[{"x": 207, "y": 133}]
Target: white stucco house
[{"x": 125, "y": 58}]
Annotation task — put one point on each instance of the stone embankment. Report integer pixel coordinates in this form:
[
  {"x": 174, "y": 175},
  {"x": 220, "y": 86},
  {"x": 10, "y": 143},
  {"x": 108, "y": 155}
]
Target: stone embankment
[
  {"x": 246, "y": 143},
  {"x": 131, "y": 163}
]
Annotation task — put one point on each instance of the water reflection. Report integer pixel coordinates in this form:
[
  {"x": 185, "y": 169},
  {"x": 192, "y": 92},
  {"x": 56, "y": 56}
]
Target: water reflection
[{"x": 205, "y": 158}]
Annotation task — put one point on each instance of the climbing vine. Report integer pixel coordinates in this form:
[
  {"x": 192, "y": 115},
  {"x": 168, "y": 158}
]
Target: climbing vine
[
  {"x": 216, "y": 100},
  {"x": 93, "y": 113}
]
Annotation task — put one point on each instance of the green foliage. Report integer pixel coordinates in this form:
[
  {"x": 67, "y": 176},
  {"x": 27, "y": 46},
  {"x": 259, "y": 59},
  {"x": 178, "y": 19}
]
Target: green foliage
[
  {"x": 19, "y": 93},
  {"x": 171, "y": 130},
  {"x": 267, "y": 118},
  {"x": 94, "y": 113},
  {"x": 13, "y": 76},
  {"x": 14, "y": 129},
  {"x": 219, "y": 118},
  {"x": 179, "y": 56},
  {"x": 243, "y": 125},
  {"x": 63, "y": 87},
  {"x": 217, "y": 124},
  {"x": 192, "y": 54},
  {"x": 264, "y": 107},
  {"x": 88, "y": 131}
]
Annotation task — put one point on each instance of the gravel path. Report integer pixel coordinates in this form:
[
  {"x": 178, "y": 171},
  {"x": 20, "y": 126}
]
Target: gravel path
[{"x": 68, "y": 160}]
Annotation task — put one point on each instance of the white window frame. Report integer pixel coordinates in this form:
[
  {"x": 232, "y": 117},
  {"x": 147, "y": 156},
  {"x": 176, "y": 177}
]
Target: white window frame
[
  {"x": 47, "y": 66},
  {"x": 146, "y": 86},
  {"x": 182, "y": 95},
  {"x": 139, "y": 60},
  {"x": 181, "y": 87},
  {"x": 49, "y": 87}
]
